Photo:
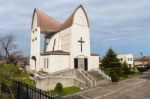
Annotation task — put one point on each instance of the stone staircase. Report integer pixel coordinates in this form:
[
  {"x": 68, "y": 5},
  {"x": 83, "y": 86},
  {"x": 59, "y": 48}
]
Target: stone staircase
[
  {"x": 82, "y": 79},
  {"x": 98, "y": 78}
]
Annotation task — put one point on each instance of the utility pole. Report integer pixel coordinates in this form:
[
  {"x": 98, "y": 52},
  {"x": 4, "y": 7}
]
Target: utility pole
[{"x": 141, "y": 54}]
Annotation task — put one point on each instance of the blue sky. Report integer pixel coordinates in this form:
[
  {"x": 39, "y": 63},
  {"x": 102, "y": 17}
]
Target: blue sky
[{"x": 123, "y": 24}]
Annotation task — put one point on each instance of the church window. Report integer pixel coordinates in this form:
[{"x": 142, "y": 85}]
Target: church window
[
  {"x": 47, "y": 62},
  {"x": 35, "y": 38},
  {"x": 129, "y": 59},
  {"x": 54, "y": 44},
  {"x": 44, "y": 63},
  {"x": 35, "y": 29}
]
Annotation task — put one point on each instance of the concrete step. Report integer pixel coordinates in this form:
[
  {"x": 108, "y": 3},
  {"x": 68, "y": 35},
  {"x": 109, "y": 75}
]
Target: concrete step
[{"x": 97, "y": 77}]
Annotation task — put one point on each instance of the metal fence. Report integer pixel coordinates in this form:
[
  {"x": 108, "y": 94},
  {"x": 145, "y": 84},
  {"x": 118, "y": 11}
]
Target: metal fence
[{"x": 27, "y": 92}]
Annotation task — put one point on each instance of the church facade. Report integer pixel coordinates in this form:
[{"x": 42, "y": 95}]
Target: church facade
[{"x": 65, "y": 46}]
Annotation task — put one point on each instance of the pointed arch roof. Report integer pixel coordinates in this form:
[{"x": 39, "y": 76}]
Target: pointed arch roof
[
  {"x": 70, "y": 19},
  {"x": 50, "y": 25},
  {"x": 46, "y": 23}
]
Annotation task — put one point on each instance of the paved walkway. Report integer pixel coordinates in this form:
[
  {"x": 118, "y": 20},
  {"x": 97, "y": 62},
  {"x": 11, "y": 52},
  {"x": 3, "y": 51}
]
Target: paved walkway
[{"x": 133, "y": 88}]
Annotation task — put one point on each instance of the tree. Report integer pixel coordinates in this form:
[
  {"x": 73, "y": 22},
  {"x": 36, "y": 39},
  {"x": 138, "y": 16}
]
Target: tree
[
  {"x": 110, "y": 60},
  {"x": 114, "y": 76},
  {"x": 9, "y": 73},
  {"x": 125, "y": 68},
  {"x": 8, "y": 48},
  {"x": 111, "y": 63}
]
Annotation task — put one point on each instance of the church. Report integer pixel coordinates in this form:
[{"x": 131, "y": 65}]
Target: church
[
  {"x": 66, "y": 46},
  {"x": 66, "y": 55}
]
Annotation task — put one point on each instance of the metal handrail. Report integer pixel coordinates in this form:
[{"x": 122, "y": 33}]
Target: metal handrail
[{"x": 107, "y": 77}]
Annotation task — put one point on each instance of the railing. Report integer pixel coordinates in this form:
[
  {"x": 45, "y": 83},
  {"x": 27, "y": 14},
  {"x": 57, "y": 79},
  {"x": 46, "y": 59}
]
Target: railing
[
  {"x": 23, "y": 91},
  {"x": 104, "y": 75},
  {"x": 90, "y": 77},
  {"x": 83, "y": 78}
]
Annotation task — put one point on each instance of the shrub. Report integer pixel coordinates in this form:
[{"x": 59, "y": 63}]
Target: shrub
[
  {"x": 118, "y": 71},
  {"x": 59, "y": 88},
  {"x": 142, "y": 69},
  {"x": 126, "y": 70},
  {"x": 114, "y": 76}
]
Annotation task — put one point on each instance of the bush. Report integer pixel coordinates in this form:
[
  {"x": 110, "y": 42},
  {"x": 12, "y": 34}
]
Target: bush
[
  {"x": 114, "y": 76},
  {"x": 118, "y": 71},
  {"x": 125, "y": 69},
  {"x": 142, "y": 69},
  {"x": 148, "y": 67},
  {"x": 59, "y": 88}
]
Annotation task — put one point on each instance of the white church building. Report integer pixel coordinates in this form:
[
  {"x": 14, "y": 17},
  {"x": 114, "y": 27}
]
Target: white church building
[{"x": 66, "y": 46}]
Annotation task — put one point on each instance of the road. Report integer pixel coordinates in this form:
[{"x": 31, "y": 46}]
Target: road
[{"x": 133, "y": 88}]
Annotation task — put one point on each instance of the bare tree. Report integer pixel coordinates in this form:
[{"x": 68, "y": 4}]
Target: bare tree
[{"x": 8, "y": 48}]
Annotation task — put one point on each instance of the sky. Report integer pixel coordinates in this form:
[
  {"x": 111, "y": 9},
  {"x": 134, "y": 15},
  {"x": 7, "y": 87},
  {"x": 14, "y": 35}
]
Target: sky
[{"x": 122, "y": 24}]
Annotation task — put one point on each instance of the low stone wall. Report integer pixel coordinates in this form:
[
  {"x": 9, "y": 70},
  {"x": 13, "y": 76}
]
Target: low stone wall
[
  {"x": 65, "y": 73},
  {"x": 70, "y": 77},
  {"x": 50, "y": 82}
]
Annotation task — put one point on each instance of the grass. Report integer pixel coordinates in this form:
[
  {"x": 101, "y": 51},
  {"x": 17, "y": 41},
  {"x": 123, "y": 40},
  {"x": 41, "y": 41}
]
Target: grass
[
  {"x": 130, "y": 75},
  {"x": 136, "y": 74},
  {"x": 123, "y": 78},
  {"x": 66, "y": 91}
]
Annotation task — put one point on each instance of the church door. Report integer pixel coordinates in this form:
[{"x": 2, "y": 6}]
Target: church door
[
  {"x": 81, "y": 63},
  {"x": 85, "y": 64}
]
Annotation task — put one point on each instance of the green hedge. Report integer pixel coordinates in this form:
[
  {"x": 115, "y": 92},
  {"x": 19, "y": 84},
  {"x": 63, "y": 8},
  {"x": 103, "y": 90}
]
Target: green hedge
[{"x": 142, "y": 69}]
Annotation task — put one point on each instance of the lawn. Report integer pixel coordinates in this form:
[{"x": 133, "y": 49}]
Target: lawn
[
  {"x": 123, "y": 78},
  {"x": 66, "y": 91},
  {"x": 130, "y": 76}
]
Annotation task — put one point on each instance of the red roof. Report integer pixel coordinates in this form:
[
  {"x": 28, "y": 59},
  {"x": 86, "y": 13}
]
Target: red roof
[
  {"x": 48, "y": 24},
  {"x": 144, "y": 58}
]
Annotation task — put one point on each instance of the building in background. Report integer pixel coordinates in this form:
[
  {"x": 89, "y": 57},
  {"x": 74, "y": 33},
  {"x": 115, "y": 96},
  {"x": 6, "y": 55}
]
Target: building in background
[
  {"x": 142, "y": 62},
  {"x": 128, "y": 58}
]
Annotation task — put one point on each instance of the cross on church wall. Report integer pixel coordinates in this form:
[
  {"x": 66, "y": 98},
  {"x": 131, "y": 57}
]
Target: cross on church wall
[{"x": 81, "y": 42}]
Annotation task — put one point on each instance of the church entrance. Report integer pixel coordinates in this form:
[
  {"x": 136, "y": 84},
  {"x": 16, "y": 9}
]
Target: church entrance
[{"x": 81, "y": 63}]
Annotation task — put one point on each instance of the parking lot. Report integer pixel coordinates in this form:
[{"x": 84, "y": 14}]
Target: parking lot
[{"x": 133, "y": 88}]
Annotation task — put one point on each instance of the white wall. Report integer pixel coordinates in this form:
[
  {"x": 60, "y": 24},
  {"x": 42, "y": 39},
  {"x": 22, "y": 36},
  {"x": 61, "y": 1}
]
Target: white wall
[
  {"x": 51, "y": 43},
  {"x": 79, "y": 29},
  {"x": 80, "y": 18},
  {"x": 56, "y": 63},
  {"x": 65, "y": 36},
  {"x": 94, "y": 64},
  {"x": 35, "y": 45}
]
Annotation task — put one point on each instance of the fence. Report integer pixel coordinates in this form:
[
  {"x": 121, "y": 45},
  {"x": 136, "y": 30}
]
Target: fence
[{"x": 27, "y": 92}]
